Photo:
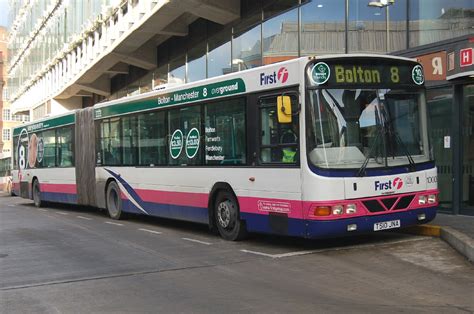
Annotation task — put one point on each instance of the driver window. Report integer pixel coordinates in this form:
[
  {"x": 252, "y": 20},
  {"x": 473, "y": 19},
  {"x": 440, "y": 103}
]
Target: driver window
[{"x": 278, "y": 141}]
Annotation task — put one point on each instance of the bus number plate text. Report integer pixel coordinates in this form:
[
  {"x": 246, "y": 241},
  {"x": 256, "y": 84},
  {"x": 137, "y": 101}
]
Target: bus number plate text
[{"x": 384, "y": 225}]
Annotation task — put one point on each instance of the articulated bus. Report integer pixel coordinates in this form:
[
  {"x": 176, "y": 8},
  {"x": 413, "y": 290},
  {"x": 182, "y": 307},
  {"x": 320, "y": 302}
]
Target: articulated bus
[{"x": 312, "y": 147}]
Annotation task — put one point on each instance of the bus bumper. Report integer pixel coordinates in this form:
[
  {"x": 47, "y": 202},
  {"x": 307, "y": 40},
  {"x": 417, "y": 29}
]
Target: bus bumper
[{"x": 337, "y": 228}]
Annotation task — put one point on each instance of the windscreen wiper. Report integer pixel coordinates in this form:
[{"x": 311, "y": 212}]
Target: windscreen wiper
[
  {"x": 405, "y": 150},
  {"x": 361, "y": 171},
  {"x": 394, "y": 134}
]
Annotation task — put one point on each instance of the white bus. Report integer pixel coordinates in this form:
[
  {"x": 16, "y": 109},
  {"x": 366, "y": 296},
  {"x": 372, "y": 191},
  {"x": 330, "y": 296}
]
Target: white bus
[{"x": 313, "y": 147}]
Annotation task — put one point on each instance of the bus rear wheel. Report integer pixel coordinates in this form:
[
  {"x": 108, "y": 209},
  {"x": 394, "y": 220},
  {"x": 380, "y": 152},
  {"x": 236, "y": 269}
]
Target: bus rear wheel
[
  {"x": 37, "y": 194},
  {"x": 114, "y": 202},
  {"x": 226, "y": 214}
]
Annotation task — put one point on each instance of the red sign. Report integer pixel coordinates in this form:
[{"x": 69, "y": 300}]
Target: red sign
[
  {"x": 434, "y": 65},
  {"x": 465, "y": 57}
]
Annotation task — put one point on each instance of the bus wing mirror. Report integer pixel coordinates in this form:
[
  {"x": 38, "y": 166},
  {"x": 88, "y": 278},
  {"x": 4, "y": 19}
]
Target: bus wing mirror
[{"x": 284, "y": 109}]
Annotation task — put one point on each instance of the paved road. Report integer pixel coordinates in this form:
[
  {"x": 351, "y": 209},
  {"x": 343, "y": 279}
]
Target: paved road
[{"x": 66, "y": 259}]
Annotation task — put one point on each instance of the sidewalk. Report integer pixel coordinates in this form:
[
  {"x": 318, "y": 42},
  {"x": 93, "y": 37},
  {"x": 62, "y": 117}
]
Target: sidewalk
[{"x": 457, "y": 231}]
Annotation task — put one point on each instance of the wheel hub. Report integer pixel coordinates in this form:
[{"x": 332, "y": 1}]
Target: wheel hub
[{"x": 224, "y": 214}]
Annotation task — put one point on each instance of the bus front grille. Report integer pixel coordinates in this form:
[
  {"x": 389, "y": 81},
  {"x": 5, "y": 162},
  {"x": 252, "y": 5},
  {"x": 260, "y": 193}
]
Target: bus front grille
[{"x": 389, "y": 203}]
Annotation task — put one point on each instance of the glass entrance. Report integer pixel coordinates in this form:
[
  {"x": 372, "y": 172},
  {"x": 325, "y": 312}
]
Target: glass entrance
[
  {"x": 439, "y": 103},
  {"x": 467, "y": 140}
]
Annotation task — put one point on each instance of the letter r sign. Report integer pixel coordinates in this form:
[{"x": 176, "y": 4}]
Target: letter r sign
[{"x": 465, "y": 57}]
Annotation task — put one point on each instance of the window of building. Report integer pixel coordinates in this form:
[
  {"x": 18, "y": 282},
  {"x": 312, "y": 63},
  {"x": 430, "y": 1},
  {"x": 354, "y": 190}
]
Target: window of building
[
  {"x": 177, "y": 72},
  {"x": 323, "y": 29},
  {"x": 225, "y": 133},
  {"x": 6, "y": 135},
  {"x": 160, "y": 76},
  {"x": 197, "y": 63},
  {"x": 397, "y": 26},
  {"x": 367, "y": 28},
  {"x": 246, "y": 49},
  {"x": 440, "y": 110},
  {"x": 6, "y": 115},
  {"x": 184, "y": 129},
  {"x": 280, "y": 37},
  {"x": 219, "y": 55},
  {"x": 5, "y": 93},
  {"x": 436, "y": 20}
]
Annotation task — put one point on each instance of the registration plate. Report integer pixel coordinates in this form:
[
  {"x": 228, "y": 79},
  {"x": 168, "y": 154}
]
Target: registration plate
[{"x": 384, "y": 225}]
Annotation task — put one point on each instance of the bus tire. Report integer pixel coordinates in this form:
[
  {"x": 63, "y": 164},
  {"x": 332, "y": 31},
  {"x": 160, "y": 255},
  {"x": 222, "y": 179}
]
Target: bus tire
[
  {"x": 37, "y": 194},
  {"x": 114, "y": 201},
  {"x": 227, "y": 217}
]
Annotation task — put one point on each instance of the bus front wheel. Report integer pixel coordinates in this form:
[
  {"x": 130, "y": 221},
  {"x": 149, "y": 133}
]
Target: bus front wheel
[
  {"x": 37, "y": 194},
  {"x": 114, "y": 202},
  {"x": 226, "y": 213}
]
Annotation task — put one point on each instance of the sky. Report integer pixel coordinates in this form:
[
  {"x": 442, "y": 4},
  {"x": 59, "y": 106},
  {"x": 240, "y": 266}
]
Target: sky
[{"x": 4, "y": 13}]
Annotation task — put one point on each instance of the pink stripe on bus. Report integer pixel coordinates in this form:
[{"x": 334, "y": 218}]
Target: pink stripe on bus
[
  {"x": 174, "y": 198},
  {"x": 58, "y": 188}
]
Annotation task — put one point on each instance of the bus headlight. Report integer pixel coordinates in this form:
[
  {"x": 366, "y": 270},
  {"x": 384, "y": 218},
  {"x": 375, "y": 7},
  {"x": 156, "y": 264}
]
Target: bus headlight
[
  {"x": 351, "y": 209},
  {"x": 337, "y": 210},
  {"x": 422, "y": 199},
  {"x": 431, "y": 198}
]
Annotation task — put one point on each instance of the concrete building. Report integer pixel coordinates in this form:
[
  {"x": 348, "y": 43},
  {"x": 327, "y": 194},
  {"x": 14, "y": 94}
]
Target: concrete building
[{"x": 73, "y": 54}]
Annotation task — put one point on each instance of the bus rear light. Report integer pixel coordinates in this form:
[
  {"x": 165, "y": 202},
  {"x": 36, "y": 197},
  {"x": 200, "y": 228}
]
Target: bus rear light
[
  {"x": 421, "y": 217},
  {"x": 337, "y": 210},
  {"x": 431, "y": 198},
  {"x": 422, "y": 199},
  {"x": 351, "y": 209},
  {"x": 322, "y": 211}
]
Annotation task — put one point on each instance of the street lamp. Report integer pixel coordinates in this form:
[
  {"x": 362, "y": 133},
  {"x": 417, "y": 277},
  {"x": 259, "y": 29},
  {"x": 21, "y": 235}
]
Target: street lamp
[{"x": 384, "y": 4}]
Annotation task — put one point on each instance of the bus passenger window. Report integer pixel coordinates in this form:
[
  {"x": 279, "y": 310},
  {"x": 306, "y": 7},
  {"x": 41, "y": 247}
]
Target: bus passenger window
[
  {"x": 184, "y": 128},
  {"x": 225, "y": 133}
]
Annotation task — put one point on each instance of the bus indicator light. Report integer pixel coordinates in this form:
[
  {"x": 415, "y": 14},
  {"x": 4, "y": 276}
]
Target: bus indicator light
[{"x": 322, "y": 211}]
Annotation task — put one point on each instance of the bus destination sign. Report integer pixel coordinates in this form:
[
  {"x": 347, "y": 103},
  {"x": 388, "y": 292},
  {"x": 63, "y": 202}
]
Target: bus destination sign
[{"x": 360, "y": 72}]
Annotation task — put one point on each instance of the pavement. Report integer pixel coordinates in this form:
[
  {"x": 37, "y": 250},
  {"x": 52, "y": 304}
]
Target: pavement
[{"x": 456, "y": 230}]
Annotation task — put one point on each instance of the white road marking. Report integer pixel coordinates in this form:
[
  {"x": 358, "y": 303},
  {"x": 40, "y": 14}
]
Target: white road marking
[
  {"x": 42, "y": 209},
  {"x": 113, "y": 223},
  {"x": 196, "y": 241},
  {"x": 11, "y": 205},
  {"x": 85, "y": 218},
  {"x": 350, "y": 247},
  {"x": 259, "y": 253},
  {"x": 62, "y": 213},
  {"x": 150, "y": 231}
]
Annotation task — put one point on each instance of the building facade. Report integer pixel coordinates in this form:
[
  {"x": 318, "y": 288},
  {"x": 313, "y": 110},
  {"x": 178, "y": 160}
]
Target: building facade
[
  {"x": 73, "y": 54},
  {"x": 7, "y": 119}
]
